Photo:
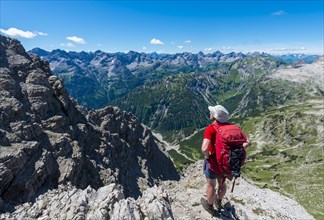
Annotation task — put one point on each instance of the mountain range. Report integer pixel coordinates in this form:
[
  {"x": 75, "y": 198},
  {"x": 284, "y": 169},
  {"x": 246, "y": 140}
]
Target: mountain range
[
  {"x": 165, "y": 90},
  {"x": 97, "y": 78}
]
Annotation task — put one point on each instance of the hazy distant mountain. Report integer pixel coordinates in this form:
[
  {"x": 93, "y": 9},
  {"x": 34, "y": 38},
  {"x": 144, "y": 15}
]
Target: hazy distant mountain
[{"x": 298, "y": 58}]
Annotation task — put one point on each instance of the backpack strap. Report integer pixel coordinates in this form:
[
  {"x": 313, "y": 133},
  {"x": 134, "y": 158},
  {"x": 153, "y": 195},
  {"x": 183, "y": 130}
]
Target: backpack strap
[{"x": 217, "y": 126}]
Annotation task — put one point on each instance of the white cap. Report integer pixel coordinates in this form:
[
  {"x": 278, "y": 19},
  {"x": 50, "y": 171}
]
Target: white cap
[{"x": 219, "y": 113}]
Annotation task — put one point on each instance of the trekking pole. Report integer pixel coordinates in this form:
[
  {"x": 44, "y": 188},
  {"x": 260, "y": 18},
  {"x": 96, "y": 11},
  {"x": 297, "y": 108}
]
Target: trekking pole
[{"x": 233, "y": 185}]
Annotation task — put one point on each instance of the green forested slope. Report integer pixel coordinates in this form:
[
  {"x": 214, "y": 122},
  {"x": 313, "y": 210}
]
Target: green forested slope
[{"x": 176, "y": 105}]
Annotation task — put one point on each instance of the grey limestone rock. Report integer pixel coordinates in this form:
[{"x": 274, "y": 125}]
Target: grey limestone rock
[
  {"x": 108, "y": 202},
  {"x": 171, "y": 200},
  {"x": 45, "y": 140}
]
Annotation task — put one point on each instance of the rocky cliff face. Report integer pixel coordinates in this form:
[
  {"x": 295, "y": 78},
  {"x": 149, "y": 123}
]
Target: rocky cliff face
[{"x": 46, "y": 141}]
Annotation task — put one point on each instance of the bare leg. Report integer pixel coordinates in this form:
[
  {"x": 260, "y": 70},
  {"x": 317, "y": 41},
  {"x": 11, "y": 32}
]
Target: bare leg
[
  {"x": 221, "y": 189},
  {"x": 211, "y": 184}
]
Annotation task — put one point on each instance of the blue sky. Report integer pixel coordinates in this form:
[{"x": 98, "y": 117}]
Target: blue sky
[{"x": 275, "y": 27}]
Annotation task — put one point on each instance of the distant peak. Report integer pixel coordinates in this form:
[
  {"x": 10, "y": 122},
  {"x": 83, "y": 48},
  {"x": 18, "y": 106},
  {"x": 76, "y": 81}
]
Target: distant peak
[{"x": 38, "y": 51}]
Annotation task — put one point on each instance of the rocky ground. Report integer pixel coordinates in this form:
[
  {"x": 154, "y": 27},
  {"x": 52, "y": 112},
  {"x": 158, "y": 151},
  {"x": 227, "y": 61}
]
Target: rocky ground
[
  {"x": 246, "y": 202},
  {"x": 170, "y": 200}
]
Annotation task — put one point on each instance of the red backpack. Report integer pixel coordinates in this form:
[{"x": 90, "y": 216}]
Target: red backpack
[{"x": 230, "y": 153}]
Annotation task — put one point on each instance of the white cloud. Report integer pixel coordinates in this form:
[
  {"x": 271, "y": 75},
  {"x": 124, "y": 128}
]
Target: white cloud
[
  {"x": 156, "y": 41},
  {"x": 42, "y": 34},
  {"x": 288, "y": 49},
  {"x": 68, "y": 44},
  {"x": 228, "y": 48},
  {"x": 279, "y": 12},
  {"x": 187, "y": 41},
  {"x": 180, "y": 47},
  {"x": 14, "y": 32},
  {"x": 144, "y": 48},
  {"x": 77, "y": 40},
  {"x": 279, "y": 49},
  {"x": 208, "y": 49}
]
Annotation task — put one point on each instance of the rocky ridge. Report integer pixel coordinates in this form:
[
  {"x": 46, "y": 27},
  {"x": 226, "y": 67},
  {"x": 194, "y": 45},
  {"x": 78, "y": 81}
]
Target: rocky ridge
[
  {"x": 171, "y": 200},
  {"x": 129, "y": 62},
  {"x": 46, "y": 141}
]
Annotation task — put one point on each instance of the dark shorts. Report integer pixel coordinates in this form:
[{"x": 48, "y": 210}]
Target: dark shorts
[{"x": 208, "y": 173}]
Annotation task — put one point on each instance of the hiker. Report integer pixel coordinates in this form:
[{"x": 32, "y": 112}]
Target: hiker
[{"x": 212, "y": 169}]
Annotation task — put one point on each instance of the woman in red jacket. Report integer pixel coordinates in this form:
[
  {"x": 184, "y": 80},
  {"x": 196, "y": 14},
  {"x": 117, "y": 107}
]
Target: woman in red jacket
[{"x": 218, "y": 115}]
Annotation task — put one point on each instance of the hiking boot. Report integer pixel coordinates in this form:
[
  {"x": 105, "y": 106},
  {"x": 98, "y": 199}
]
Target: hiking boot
[
  {"x": 208, "y": 207},
  {"x": 218, "y": 204}
]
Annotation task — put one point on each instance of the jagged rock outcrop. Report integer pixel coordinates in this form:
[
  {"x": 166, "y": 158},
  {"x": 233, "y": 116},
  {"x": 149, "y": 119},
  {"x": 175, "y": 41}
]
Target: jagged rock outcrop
[
  {"x": 171, "y": 200},
  {"x": 108, "y": 202},
  {"x": 46, "y": 141}
]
